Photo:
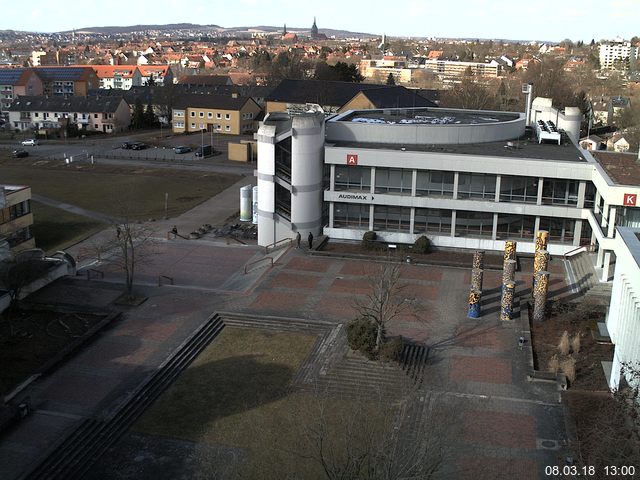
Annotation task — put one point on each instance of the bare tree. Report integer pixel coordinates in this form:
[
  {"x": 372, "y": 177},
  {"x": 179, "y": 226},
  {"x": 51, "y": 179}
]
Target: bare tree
[
  {"x": 367, "y": 437},
  {"x": 608, "y": 425},
  {"x": 469, "y": 94},
  {"x": 131, "y": 246},
  {"x": 385, "y": 300},
  {"x": 15, "y": 276}
]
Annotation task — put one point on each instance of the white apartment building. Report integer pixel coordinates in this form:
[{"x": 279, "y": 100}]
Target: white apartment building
[{"x": 616, "y": 55}]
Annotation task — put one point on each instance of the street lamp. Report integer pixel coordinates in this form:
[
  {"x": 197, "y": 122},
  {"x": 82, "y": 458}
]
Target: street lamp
[{"x": 202, "y": 141}]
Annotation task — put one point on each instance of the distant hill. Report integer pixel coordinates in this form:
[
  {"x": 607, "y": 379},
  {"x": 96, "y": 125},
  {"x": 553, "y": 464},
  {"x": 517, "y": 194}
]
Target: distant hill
[
  {"x": 137, "y": 28},
  {"x": 111, "y": 30}
]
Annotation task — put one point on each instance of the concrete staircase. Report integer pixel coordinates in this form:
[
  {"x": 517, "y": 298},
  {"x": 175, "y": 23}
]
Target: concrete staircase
[
  {"x": 584, "y": 277},
  {"x": 73, "y": 456}
]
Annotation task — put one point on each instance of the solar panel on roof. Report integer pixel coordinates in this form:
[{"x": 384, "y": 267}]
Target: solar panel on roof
[{"x": 10, "y": 75}]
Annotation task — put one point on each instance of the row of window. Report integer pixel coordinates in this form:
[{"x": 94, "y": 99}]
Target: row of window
[
  {"x": 203, "y": 126},
  {"x": 439, "y": 221},
  {"x": 45, "y": 115},
  {"x": 15, "y": 211},
  {"x": 19, "y": 236},
  {"x": 478, "y": 186}
]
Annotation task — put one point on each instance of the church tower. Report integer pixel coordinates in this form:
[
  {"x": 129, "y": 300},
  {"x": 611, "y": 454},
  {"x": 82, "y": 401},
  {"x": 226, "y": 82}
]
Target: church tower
[
  {"x": 314, "y": 28},
  {"x": 284, "y": 30}
]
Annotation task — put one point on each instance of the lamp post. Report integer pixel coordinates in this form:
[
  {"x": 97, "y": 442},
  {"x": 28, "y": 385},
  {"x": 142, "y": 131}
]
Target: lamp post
[{"x": 202, "y": 141}]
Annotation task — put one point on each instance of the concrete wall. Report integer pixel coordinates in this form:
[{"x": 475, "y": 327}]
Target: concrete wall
[{"x": 239, "y": 152}]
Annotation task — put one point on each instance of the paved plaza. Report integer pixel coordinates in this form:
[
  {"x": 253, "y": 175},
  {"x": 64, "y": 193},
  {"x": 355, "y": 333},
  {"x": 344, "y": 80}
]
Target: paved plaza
[{"x": 507, "y": 427}]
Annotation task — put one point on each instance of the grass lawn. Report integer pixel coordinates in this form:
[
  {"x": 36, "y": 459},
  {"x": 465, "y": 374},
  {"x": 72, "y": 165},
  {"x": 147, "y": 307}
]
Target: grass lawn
[
  {"x": 236, "y": 393},
  {"x": 115, "y": 190},
  {"x": 57, "y": 229}
]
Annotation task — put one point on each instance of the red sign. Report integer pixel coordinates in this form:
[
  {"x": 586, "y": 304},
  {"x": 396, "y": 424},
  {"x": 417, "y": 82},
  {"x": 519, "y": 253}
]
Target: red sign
[
  {"x": 353, "y": 159},
  {"x": 630, "y": 199}
]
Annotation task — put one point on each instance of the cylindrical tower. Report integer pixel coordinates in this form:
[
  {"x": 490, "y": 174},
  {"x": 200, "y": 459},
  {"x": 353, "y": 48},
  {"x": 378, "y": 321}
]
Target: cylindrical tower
[
  {"x": 307, "y": 160},
  {"x": 540, "y": 296},
  {"x": 506, "y": 302}
]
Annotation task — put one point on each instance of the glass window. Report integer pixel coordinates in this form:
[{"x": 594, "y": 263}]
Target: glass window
[
  {"x": 218, "y": 115},
  {"x": 474, "y": 224},
  {"x": 477, "y": 185},
  {"x": 514, "y": 226},
  {"x": 354, "y": 215},
  {"x": 393, "y": 180},
  {"x": 560, "y": 192},
  {"x": 590, "y": 195},
  {"x": 352, "y": 178},
  {"x": 434, "y": 183},
  {"x": 519, "y": 189},
  {"x": 193, "y": 114},
  {"x": 391, "y": 219},
  {"x": 201, "y": 114},
  {"x": 209, "y": 115},
  {"x": 227, "y": 116},
  {"x": 432, "y": 220},
  {"x": 560, "y": 229}
]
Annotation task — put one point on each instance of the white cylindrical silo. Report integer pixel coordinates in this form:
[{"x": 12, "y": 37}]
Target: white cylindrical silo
[{"x": 245, "y": 204}]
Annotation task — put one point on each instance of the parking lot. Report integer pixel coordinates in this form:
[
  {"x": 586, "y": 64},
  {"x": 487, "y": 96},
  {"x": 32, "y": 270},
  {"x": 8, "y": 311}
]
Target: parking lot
[{"x": 159, "y": 147}]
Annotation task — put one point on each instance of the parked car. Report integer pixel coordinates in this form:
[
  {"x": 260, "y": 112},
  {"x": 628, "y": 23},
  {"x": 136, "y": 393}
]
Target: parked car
[
  {"x": 126, "y": 145},
  {"x": 20, "y": 153},
  {"x": 29, "y": 143},
  {"x": 182, "y": 149},
  {"x": 204, "y": 151},
  {"x": 138, "y": 146}
]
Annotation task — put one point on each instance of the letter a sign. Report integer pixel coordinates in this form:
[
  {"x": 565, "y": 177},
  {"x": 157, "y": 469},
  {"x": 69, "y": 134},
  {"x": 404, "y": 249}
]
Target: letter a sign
[
  {"x": 630, "y": 199},
  {"x": 352, "y": 159}
]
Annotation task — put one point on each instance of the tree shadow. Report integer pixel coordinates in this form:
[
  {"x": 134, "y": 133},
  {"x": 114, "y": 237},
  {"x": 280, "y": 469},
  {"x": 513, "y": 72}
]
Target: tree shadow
[{"x": 188, "y": 420}]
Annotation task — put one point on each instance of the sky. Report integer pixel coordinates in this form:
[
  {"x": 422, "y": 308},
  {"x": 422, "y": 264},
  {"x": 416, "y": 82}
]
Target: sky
[{"x": 509, "y": 19}]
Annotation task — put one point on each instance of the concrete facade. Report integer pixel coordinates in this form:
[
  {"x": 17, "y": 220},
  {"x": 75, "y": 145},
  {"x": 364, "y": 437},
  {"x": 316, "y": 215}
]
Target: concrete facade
[{"x": 623, "y": 321}]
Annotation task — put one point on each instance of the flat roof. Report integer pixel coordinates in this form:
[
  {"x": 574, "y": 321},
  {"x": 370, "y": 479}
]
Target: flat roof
[
  {"x": 622, "y": 168},
  {"x": 525, "y": 147},
  {"x": 426, "y": 116},
  {"x": 631, "y": 238}
]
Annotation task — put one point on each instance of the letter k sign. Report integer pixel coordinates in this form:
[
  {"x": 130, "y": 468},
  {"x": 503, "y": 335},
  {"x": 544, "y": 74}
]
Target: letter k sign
[
  {"x": 630, "y": 199},
  {"x": 352, "y": 159}
]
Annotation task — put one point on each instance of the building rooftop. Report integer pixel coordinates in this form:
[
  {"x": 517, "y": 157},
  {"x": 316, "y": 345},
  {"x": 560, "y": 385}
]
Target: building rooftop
[
  {"x": 622, "y": 168},
  {"x": 426, "y": 116},
  {"x": 526, "y": 147}
]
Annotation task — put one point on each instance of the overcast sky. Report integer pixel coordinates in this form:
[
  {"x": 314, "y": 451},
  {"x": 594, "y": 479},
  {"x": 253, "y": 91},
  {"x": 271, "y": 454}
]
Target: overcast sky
[{"x": 511, "y": 19}]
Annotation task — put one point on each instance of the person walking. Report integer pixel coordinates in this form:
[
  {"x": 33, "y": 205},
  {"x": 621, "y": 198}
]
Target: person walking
[
  {"x": 310, "y": 239},
  {"x": 298, "y": 239}
]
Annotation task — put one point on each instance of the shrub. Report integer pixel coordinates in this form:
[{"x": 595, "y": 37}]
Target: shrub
[
  {"x": 421, "y": 245},
  {"x": 563, "y": 346},
  {"x": 368, "y": 240},
  {"x": 554, "y": 364},
  {"x": 568, "y": 367},
  {"x": 575, "y": 343},
  {"x": 391, "y": 349},
  {"x": 361, "y": 336}
]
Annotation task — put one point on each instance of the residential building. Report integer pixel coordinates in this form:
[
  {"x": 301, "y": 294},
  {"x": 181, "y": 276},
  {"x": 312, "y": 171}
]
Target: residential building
[
  {"x": 617, "y": 55},
  {"x": 295, "y": 96},
  {"x": 67, "y": 81},
  {"x": 118, "y": 76},
  {"x": 156, "y": 75},
  {"x": 228, "y": 114},
  {"x": 602, "y": 111},
  {"x": 592, "y": 143},
  {"x": 618, "y": 143},
  {"x": 15, "y": 82},
  {"x": 92, "y": 114},
  {"x": 16, "y": 219},
  {"x": 449, "y": 68}
]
